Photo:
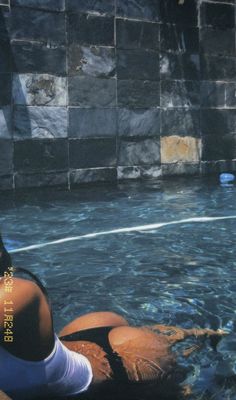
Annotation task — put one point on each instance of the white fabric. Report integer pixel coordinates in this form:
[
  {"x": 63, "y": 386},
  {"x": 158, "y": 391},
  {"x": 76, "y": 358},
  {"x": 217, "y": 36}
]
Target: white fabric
[{"x": 62, "y": 373}]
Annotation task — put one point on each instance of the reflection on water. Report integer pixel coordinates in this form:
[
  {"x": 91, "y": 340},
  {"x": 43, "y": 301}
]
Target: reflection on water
[{"x": 180, "y": 274}]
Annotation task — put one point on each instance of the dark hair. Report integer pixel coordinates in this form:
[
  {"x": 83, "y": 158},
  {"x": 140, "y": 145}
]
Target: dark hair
[
  {"x": 6, "y": 266},
  {"x": 5, "y": 258}
]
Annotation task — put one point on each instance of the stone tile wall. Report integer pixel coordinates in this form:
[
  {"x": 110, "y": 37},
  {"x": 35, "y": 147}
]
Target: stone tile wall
[{"x": 105, "y": 90}]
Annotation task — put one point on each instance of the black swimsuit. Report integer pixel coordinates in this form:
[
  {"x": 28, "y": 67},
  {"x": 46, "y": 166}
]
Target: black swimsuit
[{"x": 100, "y": 337}]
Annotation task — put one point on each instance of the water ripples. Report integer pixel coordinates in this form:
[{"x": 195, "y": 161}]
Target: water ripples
[{"x": 181, "y": 274}]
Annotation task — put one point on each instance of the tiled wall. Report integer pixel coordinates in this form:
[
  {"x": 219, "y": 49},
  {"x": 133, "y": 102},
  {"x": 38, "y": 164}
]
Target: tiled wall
[{"x": 100, "y": 90}]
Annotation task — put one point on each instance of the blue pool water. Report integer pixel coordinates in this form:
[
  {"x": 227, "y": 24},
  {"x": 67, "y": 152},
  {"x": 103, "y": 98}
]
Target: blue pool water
[{"x": 179, "y": 274}]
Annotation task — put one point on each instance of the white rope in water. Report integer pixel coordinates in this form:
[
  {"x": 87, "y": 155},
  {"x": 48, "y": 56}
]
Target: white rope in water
[{"x": 122, "y": 230}]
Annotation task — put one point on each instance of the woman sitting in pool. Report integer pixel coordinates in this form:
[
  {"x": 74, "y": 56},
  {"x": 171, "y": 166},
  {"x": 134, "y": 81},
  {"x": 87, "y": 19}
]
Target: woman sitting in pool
[{"x": 94, "y": 351}]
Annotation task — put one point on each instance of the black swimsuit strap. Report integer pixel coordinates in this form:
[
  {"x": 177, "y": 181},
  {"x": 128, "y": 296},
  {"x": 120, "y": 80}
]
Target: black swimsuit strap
[{"x": 100, "y": 337}]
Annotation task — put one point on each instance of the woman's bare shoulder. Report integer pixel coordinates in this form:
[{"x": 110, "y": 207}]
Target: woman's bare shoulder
[{"x": 18, "y": 292}]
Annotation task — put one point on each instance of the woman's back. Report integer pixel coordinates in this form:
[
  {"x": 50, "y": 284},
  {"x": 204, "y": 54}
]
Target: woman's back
[{"x": 25, "y": 312}]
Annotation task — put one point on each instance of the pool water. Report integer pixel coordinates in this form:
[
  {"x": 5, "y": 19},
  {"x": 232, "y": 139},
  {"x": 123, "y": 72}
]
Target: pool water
[{"x": 180, "y": 273}]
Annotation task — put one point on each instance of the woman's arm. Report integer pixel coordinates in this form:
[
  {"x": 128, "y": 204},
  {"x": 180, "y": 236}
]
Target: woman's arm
[{"x": 25, "y": 320}]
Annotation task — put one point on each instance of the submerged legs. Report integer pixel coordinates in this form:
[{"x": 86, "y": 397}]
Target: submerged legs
[{"x": 175, "y": 334}]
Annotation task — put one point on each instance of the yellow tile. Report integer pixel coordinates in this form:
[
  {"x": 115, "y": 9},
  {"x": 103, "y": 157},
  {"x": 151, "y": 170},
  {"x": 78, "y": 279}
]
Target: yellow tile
[{"x": 178, "y": 148}]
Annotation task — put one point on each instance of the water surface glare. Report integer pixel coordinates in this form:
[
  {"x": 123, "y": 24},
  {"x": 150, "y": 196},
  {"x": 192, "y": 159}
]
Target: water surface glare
[
  {"x": 154, "y": 252},
  {"x": 120, "y": 230}
]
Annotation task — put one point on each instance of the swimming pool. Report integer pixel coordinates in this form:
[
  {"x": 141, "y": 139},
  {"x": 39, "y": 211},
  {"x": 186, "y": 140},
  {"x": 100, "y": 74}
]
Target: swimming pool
[{"x": 181, "y": 271}]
